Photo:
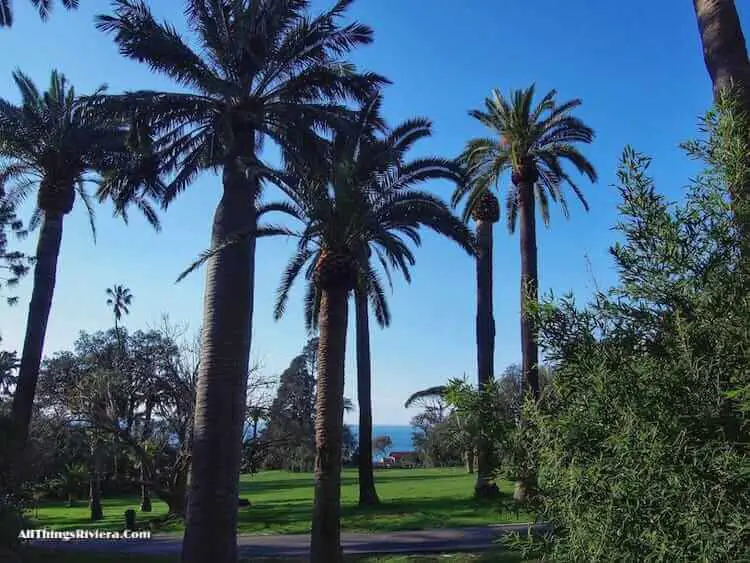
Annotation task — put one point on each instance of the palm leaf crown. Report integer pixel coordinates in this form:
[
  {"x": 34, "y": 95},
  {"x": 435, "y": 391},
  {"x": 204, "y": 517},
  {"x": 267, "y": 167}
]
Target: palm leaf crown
[
  {"x": 261, "y": 69},
  {"x": 363, "y": 202},
  {"x": 531, "y": 142},
  {"x": 43, "y": 8},
  {"x": 53, "y": 142},
  {"x": 119, "y": 298}
]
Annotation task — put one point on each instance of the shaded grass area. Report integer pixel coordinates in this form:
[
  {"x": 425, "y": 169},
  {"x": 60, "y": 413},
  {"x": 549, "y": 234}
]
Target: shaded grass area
[
  {"x": 412, "y": 499},
  {"x": 36, "y": 555}
]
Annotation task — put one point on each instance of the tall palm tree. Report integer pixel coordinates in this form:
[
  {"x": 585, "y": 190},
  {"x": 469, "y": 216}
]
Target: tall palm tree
[
  {"x": 728, "y": 65},
  {"x": 119, "y": 298},
  {"x": 486, "y": 212},
  {"x": 381, "y": 161},
  {"x": 53, "y": 143},
  {"x": 259, "y": 70},
  {"x": 348, "y": 215},
  {"x": 724, "y": 48},
  {"x": 531, "y": 142},
  {"x": 44, "y": 7}
]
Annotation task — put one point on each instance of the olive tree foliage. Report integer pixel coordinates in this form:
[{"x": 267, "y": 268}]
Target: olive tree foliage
[
  {"x": 642, "y": 445},
  {"x": 137, "y": 392}
]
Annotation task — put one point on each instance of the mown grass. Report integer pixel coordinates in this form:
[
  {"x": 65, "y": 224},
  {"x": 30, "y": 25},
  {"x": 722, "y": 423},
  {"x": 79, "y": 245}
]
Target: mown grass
[{"x": 412, "y": 499}]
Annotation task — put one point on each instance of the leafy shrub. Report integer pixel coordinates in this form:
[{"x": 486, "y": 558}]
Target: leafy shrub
[
  {"x": 12, "y": 521},
  {"x": 642, "y": 446}
]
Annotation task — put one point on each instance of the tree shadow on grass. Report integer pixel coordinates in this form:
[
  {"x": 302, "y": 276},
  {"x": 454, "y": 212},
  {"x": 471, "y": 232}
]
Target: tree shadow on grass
[
  {"x": 383, "y": 476},
  {"x": 395, "y": 515},
  {"x": 56, "y": 515}
]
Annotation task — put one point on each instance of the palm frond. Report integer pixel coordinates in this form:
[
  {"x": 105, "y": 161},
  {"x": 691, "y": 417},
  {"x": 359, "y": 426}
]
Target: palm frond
[
  {"x": 436, "y": 392},
  {"x": 237, "y": 238}
]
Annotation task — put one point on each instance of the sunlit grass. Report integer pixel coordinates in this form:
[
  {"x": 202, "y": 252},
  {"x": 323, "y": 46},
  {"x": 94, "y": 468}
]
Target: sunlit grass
[{"x": 411, "y": 499}]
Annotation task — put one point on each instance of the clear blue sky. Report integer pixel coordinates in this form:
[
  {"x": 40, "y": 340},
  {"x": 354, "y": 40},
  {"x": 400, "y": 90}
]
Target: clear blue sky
[{"x": 637, "y": 66}]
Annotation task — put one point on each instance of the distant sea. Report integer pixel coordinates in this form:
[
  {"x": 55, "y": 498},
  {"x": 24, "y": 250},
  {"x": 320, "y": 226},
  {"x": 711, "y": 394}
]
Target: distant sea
[{"x": 400, "y": 435}]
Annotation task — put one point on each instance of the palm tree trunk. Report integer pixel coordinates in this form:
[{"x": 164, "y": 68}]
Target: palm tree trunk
[
  {"x": 529, "y": 294},
  {"x": 484, "y": 486},
  {"x": 325, "y": 542},
  {"x": 724, "y": 48},
  {"x": 211, "y": 530},
  {"x": 95, "y": 496},
  {"x": 145, "y": 495},
  {"x": 367, "y": 493},
  {"x": 529, "y": 288},
  {"x": 726, "y": 58},
  {"x": 45, "y": 275}
]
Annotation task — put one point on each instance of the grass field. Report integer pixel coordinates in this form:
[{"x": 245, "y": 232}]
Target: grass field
[{"x": 411, "y": 499}]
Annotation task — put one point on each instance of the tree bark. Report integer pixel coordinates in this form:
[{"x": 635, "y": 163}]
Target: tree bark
[
  {"x": 211, "y": 529},
  {"x": 484, "y": 486},
  {"x": 724, "y": 48},
  {"x": 725, "y": 55},
  {"x": 325, "y": 541},
  {"x": 529, "y": 288},
  {"x": 145, "y": 495},
  {"x": 95, "y": 496},
  {"x": 45, "y": 276},
  {"x": 469, "y": 461},
  {"x": 367, "y": 493},
  {"x": 529, "y": 294}
]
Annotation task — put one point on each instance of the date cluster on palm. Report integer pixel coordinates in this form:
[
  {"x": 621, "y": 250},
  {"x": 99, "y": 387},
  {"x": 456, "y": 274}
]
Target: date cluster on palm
[
  {"x": 487, "y": 208},
  {"x": 56, "y": 199},
  {"x": 526, "y": 174},
  {"x": 336, "y": 269}
]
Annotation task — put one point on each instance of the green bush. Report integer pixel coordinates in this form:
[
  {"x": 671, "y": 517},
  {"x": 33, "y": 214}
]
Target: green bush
[
  {"x": 641, "y": 446},
  {"x": 12, "y": 522}
]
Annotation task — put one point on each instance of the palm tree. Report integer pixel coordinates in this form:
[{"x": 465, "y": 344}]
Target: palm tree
[
  {"x": 728, "y": 65},
  {"x": 52, "y": 143},
  {"x": 44, "y": 7},
  {"x": 530, "y": 142},
  {"x": 349, "y": 213},
  {"x": 381, "y": 158},
  {"x": 119, "y": 298},
  {"x": 486, "y": 212},
  {"x": 433, "y": 400},
  {"x": 260, "y": 70},
  {"x": 724, "y": 48}
]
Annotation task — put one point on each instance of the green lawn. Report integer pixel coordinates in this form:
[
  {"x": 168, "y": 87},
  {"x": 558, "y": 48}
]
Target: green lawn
[
  {"x": 50, "y": 556},
  {"x": 282, "y": 503}
]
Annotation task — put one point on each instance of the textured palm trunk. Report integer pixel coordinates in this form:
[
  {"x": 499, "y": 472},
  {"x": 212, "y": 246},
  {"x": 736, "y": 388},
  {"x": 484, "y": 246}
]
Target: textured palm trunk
[
  {"x": 95, "y": 495},
  {"x": 529, "y": 288},
  {"x": 724, "y": 48},
  {"x": 45, "y": 276},
  {"x": 367, "y": 493},
  {"x": 211, "y": 529},
  {"x": 725, "y": 55},
  {"x": 529, "y": 294},
  {"x": 145, "y": 495},
  {"x": 485, "y": 487},
  {"x": 325, "y": 542}
]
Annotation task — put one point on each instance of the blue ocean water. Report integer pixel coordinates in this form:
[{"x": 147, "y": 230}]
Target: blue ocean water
[{"x": 400, "y": 435}]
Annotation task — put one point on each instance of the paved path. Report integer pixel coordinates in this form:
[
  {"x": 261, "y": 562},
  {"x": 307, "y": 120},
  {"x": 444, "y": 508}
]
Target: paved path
[{"x": 427, "y": 541}]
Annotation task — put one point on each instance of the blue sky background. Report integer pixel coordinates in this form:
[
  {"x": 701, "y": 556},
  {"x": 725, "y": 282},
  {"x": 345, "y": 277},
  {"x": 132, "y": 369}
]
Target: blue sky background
[{"x": 637, "y": 65}]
